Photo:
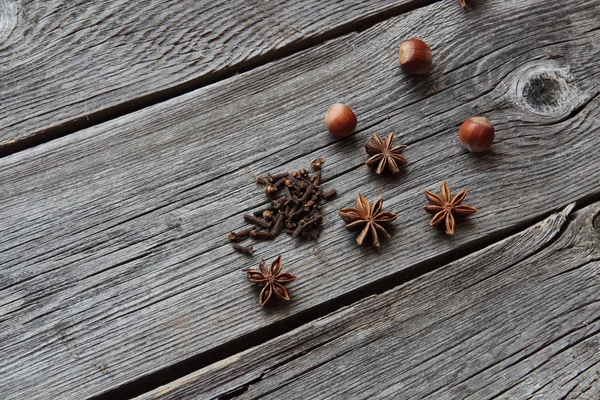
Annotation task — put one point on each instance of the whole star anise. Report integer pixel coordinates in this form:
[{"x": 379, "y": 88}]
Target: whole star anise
[
  {"x": 384, "y": 154},
  {"x": 443, "y": 206},
  {"x": 368, "y": 218},
  {"x": 272, "y": 278}
]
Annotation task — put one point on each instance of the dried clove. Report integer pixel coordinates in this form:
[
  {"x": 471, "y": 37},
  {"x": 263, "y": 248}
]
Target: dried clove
[
  {"x": 260, "y": 213},
  {"x": 278, "y": 223},
  {"x": 305, "y": 224},
  {"x": 329, "y": 194},
  {"x": 307, "y": 194},
  {"x": 256, "y": 221},
  {"x": 267, "y": 215},
  {"x": 316, "y": 178},
  {"x": 238, "y": 235},
  {"x": 242, "y": 249},
  {"x": 262, "y": 235},
  {"x": 317, "y": 163},
  {"x": 279, "y": 182},
  {"x": 288, "y": 194},
  {"x": 270, "y": 190},
  {"x": 273, "y": 178}
]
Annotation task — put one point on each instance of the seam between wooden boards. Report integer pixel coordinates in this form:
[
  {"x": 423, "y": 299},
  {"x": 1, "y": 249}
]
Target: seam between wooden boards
[
  {"x": 130, "y": 106},
  {"x": 281, "y": 327},
  {"x": 259, "y": 204},
  {"x": 573, "y": 113},
  {"x": 569, "y": 213}
]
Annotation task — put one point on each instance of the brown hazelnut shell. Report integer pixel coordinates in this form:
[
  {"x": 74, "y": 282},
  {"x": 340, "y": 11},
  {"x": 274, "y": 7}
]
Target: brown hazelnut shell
[
  {"x": 476, "y": 134},
  {"x": 414, "y": 56},
  {"x": 340, "y": 120}
]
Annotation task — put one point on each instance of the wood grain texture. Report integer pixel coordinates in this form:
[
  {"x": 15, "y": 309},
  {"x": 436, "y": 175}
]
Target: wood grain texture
[
  {"x": 114, "y": 257},
  {"x": 62, "y": 61},
  {"x": 517, "y": 320}
]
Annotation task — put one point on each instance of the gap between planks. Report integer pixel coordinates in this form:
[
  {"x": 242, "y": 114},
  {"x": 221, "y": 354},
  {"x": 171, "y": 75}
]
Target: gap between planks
[
  {"x": 562, "y": 227},
  {"x": 256, "y": 338},
  {"x": 129, "y": 106}
]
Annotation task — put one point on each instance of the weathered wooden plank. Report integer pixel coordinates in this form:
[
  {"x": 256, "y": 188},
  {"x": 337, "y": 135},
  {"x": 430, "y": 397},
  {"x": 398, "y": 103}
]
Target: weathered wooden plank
[
  {"x": 114, "y": 262},
  {"x": 518, "y": 319},
  {"x": 67, "y": 61}
]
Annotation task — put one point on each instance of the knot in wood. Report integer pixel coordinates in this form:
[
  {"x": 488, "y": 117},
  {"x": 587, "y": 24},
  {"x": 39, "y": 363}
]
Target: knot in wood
[{"x": 544, "y": 89}]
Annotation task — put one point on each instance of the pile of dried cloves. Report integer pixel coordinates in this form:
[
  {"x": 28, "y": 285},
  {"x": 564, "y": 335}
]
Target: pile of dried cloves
[{"x": 295, "y": 208}]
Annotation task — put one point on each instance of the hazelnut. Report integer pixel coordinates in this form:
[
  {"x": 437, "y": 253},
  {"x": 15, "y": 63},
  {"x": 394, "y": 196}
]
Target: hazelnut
[
  {"x": 340, "y": 120},
  {"x": 414, "y": 56},
  {"x": 476, "y": 134}
]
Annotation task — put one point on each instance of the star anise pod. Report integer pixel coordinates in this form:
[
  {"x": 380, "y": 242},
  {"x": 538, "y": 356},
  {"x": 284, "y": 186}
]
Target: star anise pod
[
  {"x": 445, "y": 207},
  {"x": 384, "y": 154},
  {"x": 368, "y": 218},
  {"x": 272, "y": 279}
]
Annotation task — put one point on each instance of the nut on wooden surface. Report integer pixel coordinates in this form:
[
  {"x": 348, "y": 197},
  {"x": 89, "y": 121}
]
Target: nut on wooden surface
[
  {"x": 340, "y": 120},
  {"x": 414, "y": 56},
  {"x": 476, "y": 134}
]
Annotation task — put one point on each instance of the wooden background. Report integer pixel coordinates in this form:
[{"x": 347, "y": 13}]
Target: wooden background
[{"x": 131, "y": 135}]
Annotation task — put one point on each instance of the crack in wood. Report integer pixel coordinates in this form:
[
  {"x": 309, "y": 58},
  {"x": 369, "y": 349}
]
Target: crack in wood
[
  {"x": 256, "y": 338},
  {"x": 571, "y": 345},
  {"x": 561, "y": 239}
]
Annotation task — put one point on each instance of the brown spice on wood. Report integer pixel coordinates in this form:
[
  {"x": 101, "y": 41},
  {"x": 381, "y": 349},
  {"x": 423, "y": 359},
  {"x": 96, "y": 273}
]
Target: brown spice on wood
[
  {"x": 242, "y": 249},
  {"x": 384, "y": 155},
  {"x": 317, "y": 163},
  {"x": 241, "y": 234},
  {"x": 297, "y": 210},
  {"x": 445, "y": 207},
  {"x": 369, "y": 219},
  {"x": 272, "y": 279}
]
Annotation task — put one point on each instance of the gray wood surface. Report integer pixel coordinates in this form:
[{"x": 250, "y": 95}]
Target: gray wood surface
[
  {"x": 63, "y": 63},
  {"x": 114, "y": 258},
  {"x": 517, "y": 320}
]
